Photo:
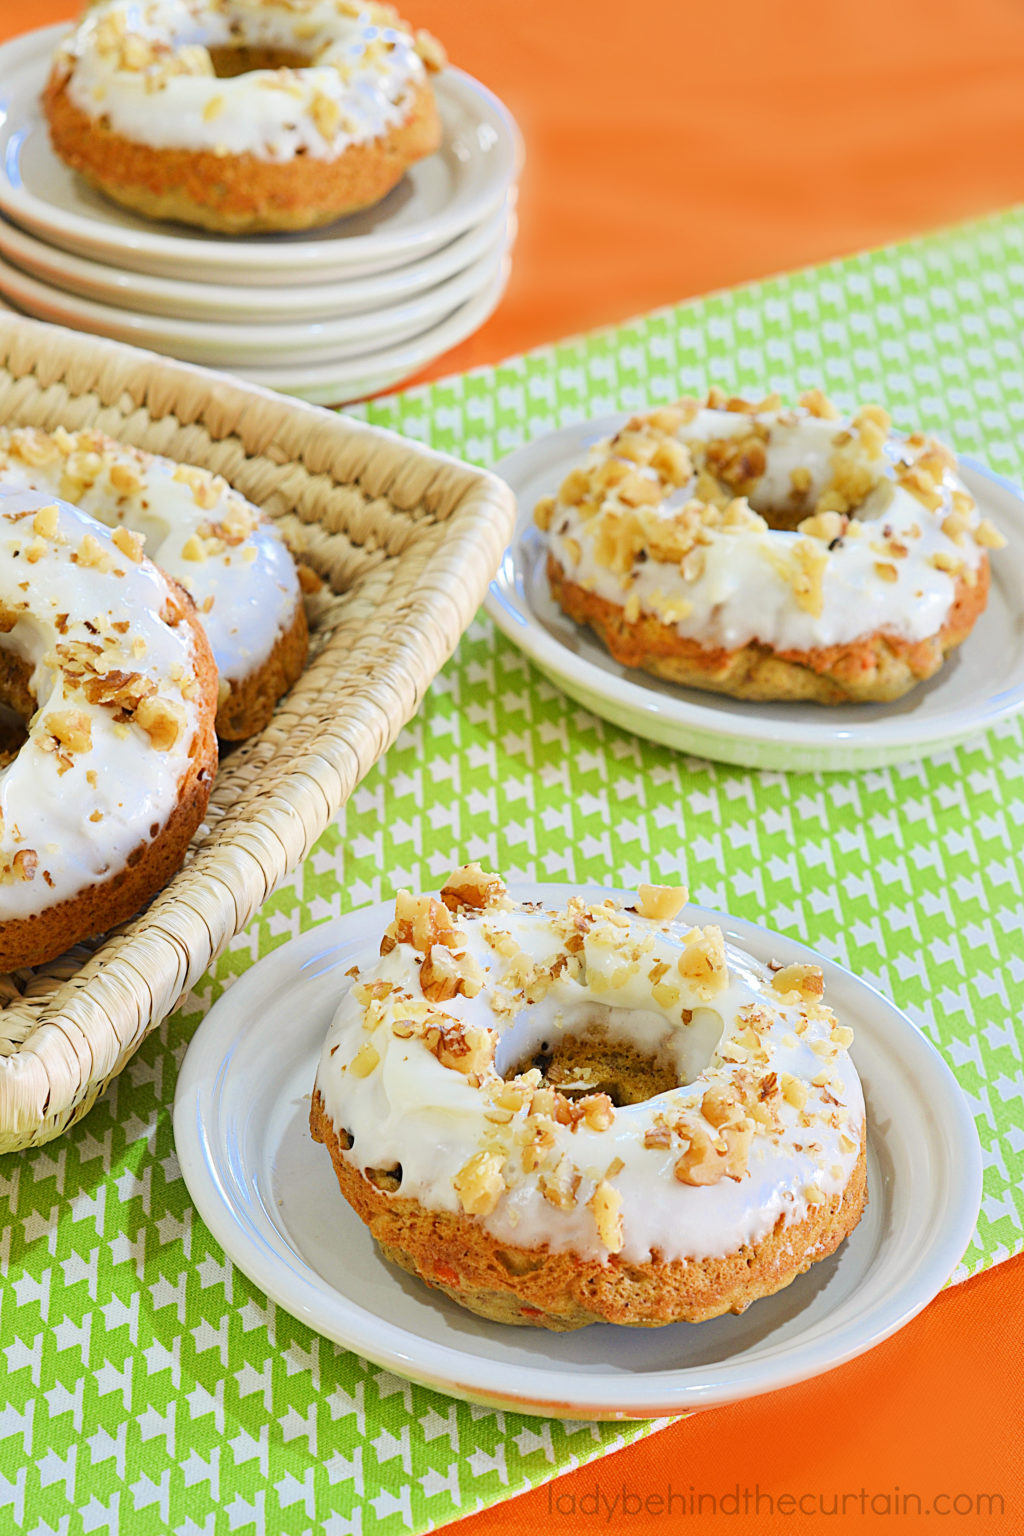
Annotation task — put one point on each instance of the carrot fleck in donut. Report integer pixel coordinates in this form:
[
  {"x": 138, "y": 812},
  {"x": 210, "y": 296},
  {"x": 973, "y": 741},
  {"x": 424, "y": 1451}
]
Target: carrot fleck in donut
[
  {"x": 592, "y": 1114},
  {"x": 241, "y": 116},
  {"x": 768, "y": 553},
  {"x": 104, "y": 661}
]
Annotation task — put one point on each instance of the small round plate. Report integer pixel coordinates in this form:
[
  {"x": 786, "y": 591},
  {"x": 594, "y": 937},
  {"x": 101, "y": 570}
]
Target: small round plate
[
  {"x": 180, "y": 299},
  {"x": 269, "y": 1196},
  {"x": 442, "y": 196},
  {"x": 981, "y": 683},
  {"x": 233, "y": 344}
]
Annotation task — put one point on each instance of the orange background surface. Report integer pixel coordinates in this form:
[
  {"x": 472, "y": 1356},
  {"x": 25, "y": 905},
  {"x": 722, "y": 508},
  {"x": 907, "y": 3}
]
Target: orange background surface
[{"x": 673, "y": 149}]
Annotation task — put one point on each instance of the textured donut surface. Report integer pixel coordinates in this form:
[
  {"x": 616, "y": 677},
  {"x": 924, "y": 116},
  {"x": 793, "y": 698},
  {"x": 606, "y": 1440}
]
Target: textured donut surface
[
  {"x": 102, "y": 657},
  {"x": 467, "y": 1088},
  {"x": 771, "y": 553},
  {"x": 243, "y": 115},
  {"x": 218, "y": 546}
]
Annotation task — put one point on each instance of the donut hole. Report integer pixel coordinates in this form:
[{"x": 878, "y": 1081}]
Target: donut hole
[
  {"x": 232, "y": 60},
  {"x": 630, "y": 1054},
  {"x": 17, "y": 705}
]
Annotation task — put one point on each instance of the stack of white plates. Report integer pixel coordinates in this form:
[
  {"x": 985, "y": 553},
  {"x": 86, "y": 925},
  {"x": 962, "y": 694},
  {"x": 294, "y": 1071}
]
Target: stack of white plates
[{"x": 329, "y": 316}]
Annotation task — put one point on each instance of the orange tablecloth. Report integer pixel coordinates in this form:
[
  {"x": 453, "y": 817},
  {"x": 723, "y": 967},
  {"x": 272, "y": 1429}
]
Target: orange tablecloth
[{"x": 673, "y": 149}]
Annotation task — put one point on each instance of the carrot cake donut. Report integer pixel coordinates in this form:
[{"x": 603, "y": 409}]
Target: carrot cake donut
[
  {"x": 218, "y": 546},
  {"x": 591, "y": 1113},
  {"x": 103, "y": 659},
  {"x": 771, "y": 553},
  {"x": 243, "y": 115}
]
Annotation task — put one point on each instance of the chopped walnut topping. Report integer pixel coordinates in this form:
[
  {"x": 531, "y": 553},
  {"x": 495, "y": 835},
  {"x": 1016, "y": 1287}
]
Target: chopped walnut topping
[
  {"x": 559, "y": 1187},
  {"x": 793, "y": 1090},
  {"x": 702, "y": 1162},
  {"x": 718, "y": 1105},
  {"x": 46, "y": 522},
  {"x": 815, "y": 403},
  {"x": 22, "y": 867},
  {"x": 479, "y": 1184},
  {"x": 598, "y": 1111},
  {"x": 204, "y": 486},
  {"x": 430, "y": 51},
  {"x": 473, "y": 888},
  {"x": 70, "y": 728},
  {"x": 606, "y": 1202},
  {"x": 824, "y": 525},
  {"x": 661, "y": 902},
  {"x": 162, "y": 721},
  {"x": 91, "y": 553},
  {"x": 129, "y": 543},
  {"x": 807, "y": 981},
  {"x": 988, "y": 536},
  {"x": 465, "y": 1048},
  {"x": 364, "y": 1061},
  {"x": 703, "y": 959},
  {"x": 543, "y": 512}
]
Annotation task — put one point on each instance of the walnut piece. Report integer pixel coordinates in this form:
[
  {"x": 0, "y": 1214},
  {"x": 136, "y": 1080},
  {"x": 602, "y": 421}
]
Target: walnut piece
[
  {"x": 661, "y": 902},
  {"x": 479, "y": 1183}
]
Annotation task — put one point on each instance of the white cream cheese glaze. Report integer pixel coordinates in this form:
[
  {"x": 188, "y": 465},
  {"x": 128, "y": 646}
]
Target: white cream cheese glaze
[
  {"x": 231, "y": 559},
  {"x": 144, "y": 67},
  {"x": 81, "y": 610},
  {"x": 419, "y": 1083},
  {"x": 886, "y": 530}
]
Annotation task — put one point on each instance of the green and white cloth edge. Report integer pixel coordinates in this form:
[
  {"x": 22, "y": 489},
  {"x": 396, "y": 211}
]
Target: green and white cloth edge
[{"x": 146, "y": 1383}]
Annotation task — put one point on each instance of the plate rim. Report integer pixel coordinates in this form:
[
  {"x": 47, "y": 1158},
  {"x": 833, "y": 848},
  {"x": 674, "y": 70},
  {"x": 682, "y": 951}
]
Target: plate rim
[
  {"x": 145, "y": 329},
  {"x": 607, "y": 1394},
  {"x": 55, "y": 225},
  {"x": 754, "y": 741},
  {"x": 21, "y": 250}
]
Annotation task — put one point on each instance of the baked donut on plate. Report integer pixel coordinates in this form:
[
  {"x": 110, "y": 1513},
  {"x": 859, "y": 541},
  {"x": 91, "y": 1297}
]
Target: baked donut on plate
[
  {"x": 771, "y": 553},
  {"x": 597, "y": 1113},
  {"x": 218, "y": 546},
  {"x": 103, "y": 659},
  {"x": 243, "y": 115}
]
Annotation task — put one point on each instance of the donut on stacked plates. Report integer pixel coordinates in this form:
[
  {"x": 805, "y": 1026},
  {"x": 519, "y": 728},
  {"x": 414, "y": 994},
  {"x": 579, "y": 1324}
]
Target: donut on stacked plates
[
  {"x": 596, "y": 1113},
  {"x": 771, "y": 553},
  {"x": 240, "y": 115}
]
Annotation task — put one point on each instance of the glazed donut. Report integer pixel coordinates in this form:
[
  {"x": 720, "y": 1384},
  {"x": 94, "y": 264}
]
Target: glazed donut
[
  {"x": 591, "y": 1114},
  {"x": 220, "y": 548},
  {"x": 769, "y": 553},
  {"x": 103, "y": 659},
  {"x": 243, "y": 115}
]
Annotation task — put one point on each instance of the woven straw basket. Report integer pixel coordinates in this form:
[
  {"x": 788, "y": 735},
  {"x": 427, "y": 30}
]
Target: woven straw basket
[{"x": 405, "y": 541}]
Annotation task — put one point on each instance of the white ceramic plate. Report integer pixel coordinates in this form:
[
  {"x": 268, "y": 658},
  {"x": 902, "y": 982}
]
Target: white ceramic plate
[
  {"x": 451, "y": 191},
  {"x": 269, "y": 1196},
  {"x": 980, "y": 684},
  {"x": 185, "y": 300},
  {"x": 335, "y": 382},
  {"x": 277, "y": 343}
]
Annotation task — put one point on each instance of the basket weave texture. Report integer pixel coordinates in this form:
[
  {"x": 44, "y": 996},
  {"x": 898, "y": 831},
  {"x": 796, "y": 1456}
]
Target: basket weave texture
[{"x": 405, "y": 541}]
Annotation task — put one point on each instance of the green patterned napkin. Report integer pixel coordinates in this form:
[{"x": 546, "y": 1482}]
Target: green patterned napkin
[{"x": 147, "y": 1386}]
